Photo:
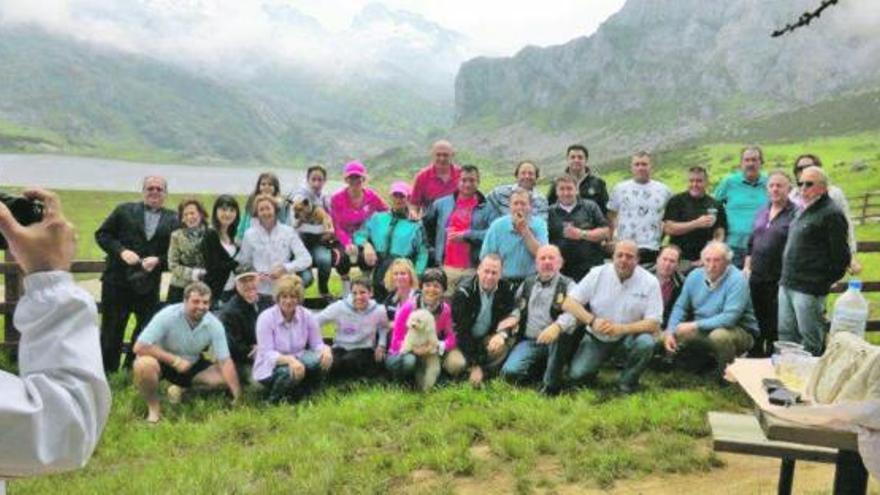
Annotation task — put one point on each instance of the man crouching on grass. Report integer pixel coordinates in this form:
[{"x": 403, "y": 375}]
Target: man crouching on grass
[{"x": 171, "y": 347}]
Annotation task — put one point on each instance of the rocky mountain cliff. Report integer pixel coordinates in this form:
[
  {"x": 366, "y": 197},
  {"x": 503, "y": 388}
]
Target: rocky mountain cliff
[{"x": 660, "y": 71}]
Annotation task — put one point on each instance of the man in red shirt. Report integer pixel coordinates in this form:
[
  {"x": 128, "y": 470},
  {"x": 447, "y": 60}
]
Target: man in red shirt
[
  {"x": 438, "y": 179},
  {"x": 458, "y": 223}
]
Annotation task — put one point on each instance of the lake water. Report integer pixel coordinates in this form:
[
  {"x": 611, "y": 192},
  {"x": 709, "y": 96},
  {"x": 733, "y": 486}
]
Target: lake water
[{"x": 98, "y": 174}]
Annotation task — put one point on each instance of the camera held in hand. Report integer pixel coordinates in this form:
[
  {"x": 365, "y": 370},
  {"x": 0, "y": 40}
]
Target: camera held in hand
[{"x": 26, "y": 211}]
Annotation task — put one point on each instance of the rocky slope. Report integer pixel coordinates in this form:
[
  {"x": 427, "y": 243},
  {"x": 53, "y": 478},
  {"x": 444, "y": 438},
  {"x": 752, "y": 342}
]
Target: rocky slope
[{"x": 660, "y": 71}]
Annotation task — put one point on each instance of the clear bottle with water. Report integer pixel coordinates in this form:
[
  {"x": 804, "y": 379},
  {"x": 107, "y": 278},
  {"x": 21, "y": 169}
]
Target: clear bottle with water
[{"x": 850, "y": 311}]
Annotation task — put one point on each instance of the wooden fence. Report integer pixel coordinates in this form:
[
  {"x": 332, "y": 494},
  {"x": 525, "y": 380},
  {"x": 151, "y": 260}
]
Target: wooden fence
[
  {"x": 865, "y": 208},
  {"x": 13, "y": 289}
]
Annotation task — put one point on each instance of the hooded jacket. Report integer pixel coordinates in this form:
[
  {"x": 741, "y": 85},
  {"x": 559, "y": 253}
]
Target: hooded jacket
[{"x": 356, "y": 329}]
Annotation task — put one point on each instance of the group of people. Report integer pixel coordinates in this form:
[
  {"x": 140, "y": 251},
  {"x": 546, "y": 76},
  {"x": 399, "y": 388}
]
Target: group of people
[{"x": 516, "y": 283}]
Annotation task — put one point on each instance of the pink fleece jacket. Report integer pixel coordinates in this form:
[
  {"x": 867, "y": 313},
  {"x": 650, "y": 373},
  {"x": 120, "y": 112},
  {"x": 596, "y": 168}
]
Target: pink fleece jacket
[
  {"x": 445, "y": 332},
  {"x": 347, "y": 218}
]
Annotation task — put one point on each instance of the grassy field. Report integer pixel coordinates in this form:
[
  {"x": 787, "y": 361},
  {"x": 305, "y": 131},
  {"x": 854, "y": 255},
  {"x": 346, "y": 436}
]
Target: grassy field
[
  {"x": 378, "y": 438},
  {"x": 370, "y": 439}
]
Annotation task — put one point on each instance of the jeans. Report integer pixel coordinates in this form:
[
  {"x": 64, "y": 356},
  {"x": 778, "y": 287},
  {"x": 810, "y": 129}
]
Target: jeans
[
  {"x": 403, "y": 367},
  {"x": 307, "y": 278},
  {"x": 530, "y": 360},
  {"x": 322, "y": 259},
  {"x": 802, "y": 319},
  {"x": 281, "y": 386},
  {"x": 592, "y": 352}
]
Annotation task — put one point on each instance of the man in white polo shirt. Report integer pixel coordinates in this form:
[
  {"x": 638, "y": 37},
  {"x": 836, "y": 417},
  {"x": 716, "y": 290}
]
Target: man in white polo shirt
[{"x": 626, "y": 308}]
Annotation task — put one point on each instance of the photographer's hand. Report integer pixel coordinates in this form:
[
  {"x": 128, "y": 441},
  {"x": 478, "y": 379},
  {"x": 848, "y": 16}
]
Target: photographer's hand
[{"x": 43, "y": 246}]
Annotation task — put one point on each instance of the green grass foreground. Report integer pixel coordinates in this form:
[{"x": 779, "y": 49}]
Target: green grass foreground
[{"x": 370, "y": 438}]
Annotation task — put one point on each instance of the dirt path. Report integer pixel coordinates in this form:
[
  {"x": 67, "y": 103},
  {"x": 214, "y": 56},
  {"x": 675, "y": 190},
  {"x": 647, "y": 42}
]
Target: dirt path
[{"x": 740, "y": 475}]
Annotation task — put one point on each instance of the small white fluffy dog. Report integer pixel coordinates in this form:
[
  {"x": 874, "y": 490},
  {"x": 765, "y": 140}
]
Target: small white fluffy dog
[{"x": 421, "y": 330}]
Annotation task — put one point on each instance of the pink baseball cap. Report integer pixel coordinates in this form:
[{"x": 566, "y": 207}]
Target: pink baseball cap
[
  {"x": 354, "y": 168},
  {"x": 401, "y": 187}
]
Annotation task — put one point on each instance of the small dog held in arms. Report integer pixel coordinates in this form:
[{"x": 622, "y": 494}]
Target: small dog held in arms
[{"x": 421, "y": 331}]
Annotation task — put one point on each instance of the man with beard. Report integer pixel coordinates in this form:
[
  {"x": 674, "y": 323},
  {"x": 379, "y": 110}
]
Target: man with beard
[{"x": 171, "y": 347}]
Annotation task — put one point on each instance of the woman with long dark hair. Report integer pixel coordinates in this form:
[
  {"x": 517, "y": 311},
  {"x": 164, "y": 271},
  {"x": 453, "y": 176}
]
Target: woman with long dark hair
[
  {"x": 267, "y": 183},
  {"x": 219, "y": 248}
]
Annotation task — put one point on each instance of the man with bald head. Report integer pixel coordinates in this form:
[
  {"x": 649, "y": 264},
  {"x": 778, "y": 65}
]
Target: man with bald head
[
  {"x": 135, "y": 237},
  {"x": 536, "y": 323},
  {"x": 714, "y": 311},
  {"x": 816, "y": 256},
  {"x": 439, "y": 178},
  {"x": 626, "y": 309}
]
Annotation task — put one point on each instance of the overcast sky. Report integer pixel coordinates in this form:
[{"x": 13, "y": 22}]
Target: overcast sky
[
  {"x": 494, "y": 27},
  {"x": 497, "y": 27}
]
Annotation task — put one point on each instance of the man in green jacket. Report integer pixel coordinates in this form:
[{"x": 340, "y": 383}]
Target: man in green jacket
[{"x": 816, "y": 256}]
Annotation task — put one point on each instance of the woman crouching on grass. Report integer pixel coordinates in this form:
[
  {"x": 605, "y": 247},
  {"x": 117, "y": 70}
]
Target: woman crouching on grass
[
  {"x": 292, "y": 358},
  {"x": 361, "y": 332},
  {"x": 404, "y": 366},
  {"x": 402, "y": 283}
]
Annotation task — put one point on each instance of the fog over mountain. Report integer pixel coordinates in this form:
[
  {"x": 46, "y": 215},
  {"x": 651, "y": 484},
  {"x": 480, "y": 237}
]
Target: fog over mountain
[{"x": 311, "y": 93}]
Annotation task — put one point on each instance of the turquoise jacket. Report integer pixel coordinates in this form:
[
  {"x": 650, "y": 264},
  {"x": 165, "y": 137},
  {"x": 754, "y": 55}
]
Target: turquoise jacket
[{"x": 395, "y": 236}]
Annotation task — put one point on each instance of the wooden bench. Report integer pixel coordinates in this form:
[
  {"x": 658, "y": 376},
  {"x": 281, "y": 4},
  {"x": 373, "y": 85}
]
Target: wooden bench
[{"x": 742, "y": 434}]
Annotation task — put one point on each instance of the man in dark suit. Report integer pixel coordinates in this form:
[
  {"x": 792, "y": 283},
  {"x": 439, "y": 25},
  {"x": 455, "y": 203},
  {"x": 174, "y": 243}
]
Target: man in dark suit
[{"x": 135, "y": 237}]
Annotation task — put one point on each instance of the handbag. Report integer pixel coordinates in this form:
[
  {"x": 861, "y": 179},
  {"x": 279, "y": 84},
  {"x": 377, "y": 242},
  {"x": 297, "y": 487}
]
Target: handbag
[{"x": 848, "y": 371}]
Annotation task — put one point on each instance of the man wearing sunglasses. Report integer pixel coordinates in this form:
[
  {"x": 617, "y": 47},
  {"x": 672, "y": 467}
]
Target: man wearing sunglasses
[
  {"x": 816, "y": 256},
  {"x": 135, "y": 237}
]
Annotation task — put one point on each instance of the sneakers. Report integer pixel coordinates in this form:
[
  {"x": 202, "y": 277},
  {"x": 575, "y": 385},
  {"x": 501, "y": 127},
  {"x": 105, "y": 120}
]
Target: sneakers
[{"x": 175, "y": 394}]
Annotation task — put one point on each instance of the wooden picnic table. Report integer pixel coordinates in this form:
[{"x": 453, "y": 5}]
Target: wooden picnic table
[{"x": 850, "y": 475}]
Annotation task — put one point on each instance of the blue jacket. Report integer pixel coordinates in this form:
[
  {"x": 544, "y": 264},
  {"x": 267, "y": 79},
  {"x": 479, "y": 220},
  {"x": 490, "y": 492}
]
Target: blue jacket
[{"x": 437, "y": 219}]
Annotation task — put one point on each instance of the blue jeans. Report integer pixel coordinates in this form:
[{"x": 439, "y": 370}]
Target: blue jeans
[
  {"x": 307, "y": 277},
  {"x": 402, "y": 366},
  {"x": 592, "y": 352},
  {"x": 281, "y": 386},
  {"x": 802, "y": 319},
  {"x": 529, "y": 361},
  {"x": 322, "y": 259}
]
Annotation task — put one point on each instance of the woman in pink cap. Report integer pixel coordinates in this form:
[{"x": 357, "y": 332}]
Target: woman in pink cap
[
  {"x": 389, "y": 235},
  {"x": 350, "y": 207}
]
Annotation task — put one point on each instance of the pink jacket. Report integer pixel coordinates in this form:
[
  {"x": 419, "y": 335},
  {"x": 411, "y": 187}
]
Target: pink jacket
[
  {"x": 346, "y": 218},
  {"x": 445, "y": 332}
]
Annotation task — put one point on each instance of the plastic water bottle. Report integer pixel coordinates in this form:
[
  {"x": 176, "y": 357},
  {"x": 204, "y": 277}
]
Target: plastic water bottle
[{"x": 850, "y": 311}]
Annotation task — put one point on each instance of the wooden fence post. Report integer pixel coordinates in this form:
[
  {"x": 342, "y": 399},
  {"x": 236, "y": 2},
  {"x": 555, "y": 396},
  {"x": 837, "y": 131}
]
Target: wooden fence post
[{"x": 865, "y": 202}]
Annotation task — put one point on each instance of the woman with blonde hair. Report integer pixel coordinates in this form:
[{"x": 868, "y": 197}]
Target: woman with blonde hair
[
  {"x": 273, "y": 249},
  {"x": 291, "y": 358},
  {"x": 402, "y": 283}
]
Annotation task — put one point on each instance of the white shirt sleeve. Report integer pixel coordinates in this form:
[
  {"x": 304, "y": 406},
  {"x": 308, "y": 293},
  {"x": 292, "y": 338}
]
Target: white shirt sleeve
[
  {"x": 52, "y": 416},
  {"x": 302, "y": 259}
]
